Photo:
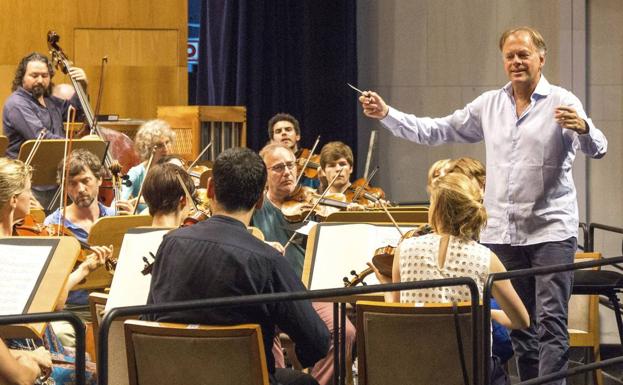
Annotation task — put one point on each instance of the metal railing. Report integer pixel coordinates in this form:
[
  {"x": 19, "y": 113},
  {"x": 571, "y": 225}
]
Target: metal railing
[
  {"x": 112, "y": 314},
  {"x": 486, "y": 319},
  {"x": 57, "y": 316},
  {"x": 591, "y": 233}
]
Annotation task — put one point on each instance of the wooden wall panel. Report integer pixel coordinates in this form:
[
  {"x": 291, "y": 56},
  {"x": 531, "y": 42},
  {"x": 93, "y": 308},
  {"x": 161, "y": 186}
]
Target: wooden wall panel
[
  {"x": 132, "y": 47},
  {"x": 145, "y": 42}
]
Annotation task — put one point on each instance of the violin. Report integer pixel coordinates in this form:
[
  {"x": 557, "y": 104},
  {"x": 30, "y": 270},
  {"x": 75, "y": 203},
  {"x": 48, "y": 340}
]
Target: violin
[
  {"x": 312, "y": 166},
  {"x": 305, "y": 199},
  {"x": 360, "y": 192}
]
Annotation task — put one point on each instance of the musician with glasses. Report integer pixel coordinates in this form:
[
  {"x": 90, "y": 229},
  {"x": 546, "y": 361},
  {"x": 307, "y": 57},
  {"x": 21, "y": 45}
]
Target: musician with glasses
[{"x": 280, "y": 185}]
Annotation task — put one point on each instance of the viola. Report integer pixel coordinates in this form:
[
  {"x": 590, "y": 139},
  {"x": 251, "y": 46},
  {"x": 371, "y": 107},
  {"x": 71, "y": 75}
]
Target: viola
[
  {"x": 311, "y": 169},
  {"x": 60, "y": 230},
  {"x": 194, "y": 217},
  {"x": 383, "y": 258},
  {"x": 197, "y": 173},
  {"x": 197, "y": 214},
  {"x": 29, "y": 227}
]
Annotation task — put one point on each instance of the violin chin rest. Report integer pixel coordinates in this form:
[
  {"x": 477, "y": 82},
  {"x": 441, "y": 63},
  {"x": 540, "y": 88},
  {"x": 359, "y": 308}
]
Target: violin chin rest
[{"x": 384, "y": 263}]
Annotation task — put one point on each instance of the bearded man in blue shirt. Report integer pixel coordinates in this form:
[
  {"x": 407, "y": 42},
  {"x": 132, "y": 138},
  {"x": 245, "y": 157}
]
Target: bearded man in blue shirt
[{"x": 531, "y": 130}]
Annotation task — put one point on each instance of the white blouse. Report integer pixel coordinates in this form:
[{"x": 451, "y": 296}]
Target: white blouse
[{"x": 419, "y": 261}]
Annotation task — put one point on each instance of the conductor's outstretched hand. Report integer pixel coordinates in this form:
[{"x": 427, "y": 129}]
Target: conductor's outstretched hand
[{"x": 373, "y": 105}]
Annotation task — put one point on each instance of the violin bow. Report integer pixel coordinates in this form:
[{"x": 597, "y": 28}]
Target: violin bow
[
  {"x": 186, "y": 192},
  {"x": 35, "y": 146},
  {"x": 311, "y": 153},
  {"x": 360, "y": 189},
  {"x": 140, "y": 190},
  {"x": 62, "y": 209},
  {"x": 100, "y": 91},
  {"x": 324, "y": 193},
  {"x": 199, "y": 156},
  {"x": 369, "y": 155},
  {"x": 391, "y": 218}
]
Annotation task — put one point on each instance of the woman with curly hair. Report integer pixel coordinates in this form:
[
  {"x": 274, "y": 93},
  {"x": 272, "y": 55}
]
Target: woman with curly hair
[{"x": 155, "y": 135}]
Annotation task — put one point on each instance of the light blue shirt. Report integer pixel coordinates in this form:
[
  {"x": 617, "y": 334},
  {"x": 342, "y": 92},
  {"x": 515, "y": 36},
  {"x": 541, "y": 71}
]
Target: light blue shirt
[
  {"x": 79, "y": 232},
  {"x": 530, "y": 195},
  {"x": 136, "y": 175}
]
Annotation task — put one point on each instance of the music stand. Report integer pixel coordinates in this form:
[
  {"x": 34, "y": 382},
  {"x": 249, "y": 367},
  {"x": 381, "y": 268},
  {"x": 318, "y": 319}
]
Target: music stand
[
  {"x": 110, "y": 231},
  {"x": 334, "y": 249},
  {"x": 51, "y": 152},
  {"x": 4, "y": 143},
  {"x": 415, "y": 217},
  {"x": 57, "y": 256}
]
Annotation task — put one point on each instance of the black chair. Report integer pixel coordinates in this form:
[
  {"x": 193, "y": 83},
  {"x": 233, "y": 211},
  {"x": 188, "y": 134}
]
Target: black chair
[{"x": 600, "y": 282}]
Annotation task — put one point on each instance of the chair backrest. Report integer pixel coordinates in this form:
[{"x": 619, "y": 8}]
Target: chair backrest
[
  {"x": 196, "y": 126},
  {"x": 167, "y": 353},
  {"x": 4, "y": 143},
  {"x": 97, "y": 305},
  {"x": 583, "y": 321},
  {"x": 407, "y": 344}
]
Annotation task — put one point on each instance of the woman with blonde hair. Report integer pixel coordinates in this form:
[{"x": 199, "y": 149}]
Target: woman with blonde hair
[
  {"x": 15, "y": 195},
  {"x": 457, "y": 216}
]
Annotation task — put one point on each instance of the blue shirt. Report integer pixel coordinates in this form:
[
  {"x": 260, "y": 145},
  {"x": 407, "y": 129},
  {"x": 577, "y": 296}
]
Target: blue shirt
[
  {"x": 80, "y": 233},
  {"x": 23, "y": 117},
  {"x": 530, "y": 195}
]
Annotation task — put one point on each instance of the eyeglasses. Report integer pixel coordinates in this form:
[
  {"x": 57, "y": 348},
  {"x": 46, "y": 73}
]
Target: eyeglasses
[
  {"x": 281, "y": 167},
  {"x": 161, "y": 145}
]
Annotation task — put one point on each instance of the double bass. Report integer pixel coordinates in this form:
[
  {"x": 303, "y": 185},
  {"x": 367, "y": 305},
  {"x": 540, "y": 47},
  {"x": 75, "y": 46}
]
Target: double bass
[{"x": 121, "y": 147}]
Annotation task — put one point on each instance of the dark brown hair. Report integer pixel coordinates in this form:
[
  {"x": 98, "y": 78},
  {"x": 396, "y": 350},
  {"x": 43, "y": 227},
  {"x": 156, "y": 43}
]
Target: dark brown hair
[
  {"x": 282, "y": 116},
  {"x": 333, "y": 151},
  {"x": 78, "y": 161},
  {"x": 162, "y": 190}
]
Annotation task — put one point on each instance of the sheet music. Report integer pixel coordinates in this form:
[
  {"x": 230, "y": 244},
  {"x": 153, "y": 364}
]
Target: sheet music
[
  {"x": 342, "y": 248},
  {"x": 20, "y": 269},
  {"x": 129, "y": 286}
]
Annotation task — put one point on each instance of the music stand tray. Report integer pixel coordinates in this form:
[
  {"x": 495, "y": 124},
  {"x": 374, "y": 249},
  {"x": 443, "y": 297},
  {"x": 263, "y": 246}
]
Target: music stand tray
[{"x": 51, "y": 152}]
